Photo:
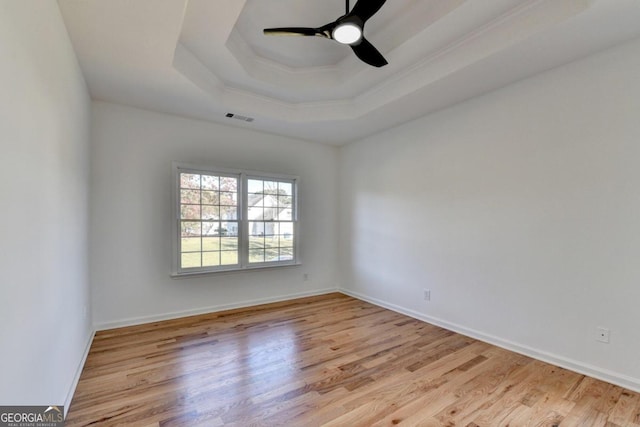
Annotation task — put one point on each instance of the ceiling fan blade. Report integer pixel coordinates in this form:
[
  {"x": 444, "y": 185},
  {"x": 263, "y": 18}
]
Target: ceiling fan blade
[
  {"x": 369, "y": 54},
  {"x": 293, "y": 31},
  {"x": 365, "y": 9}
]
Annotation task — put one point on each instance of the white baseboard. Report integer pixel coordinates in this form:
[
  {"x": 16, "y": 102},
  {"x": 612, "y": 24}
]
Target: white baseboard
[
  {"x": 205, "y": 310},
  {"x": 570, "y": 364},
  {"x": 76, "y": 378}
]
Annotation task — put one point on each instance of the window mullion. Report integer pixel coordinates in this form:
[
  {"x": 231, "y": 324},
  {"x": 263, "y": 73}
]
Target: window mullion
[{"x": 243, "y": 199}]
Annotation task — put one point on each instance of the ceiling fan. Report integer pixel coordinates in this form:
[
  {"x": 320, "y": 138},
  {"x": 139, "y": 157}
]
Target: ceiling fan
[{"x": 348, "y": 29}]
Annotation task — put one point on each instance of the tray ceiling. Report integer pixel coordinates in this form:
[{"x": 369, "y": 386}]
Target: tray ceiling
[{"x": 203, "y": 58}]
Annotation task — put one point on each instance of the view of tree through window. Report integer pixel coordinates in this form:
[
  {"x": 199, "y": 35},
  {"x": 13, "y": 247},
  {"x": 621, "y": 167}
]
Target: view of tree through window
[
  {"x": 208, "y": 220},
  {"x": 233, "y": 220}
]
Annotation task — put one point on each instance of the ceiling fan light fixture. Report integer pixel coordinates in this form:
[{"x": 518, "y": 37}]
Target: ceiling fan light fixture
[
  {"x": 347, "y": 33},
  {"x": 346, "y": 30}
]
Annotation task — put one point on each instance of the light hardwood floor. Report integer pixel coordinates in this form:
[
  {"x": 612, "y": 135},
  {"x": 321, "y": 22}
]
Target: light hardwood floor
[{"x": 329, "y": 360}]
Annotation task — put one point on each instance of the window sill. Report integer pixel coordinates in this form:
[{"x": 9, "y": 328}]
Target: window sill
[{"x": 231, "y": 271}]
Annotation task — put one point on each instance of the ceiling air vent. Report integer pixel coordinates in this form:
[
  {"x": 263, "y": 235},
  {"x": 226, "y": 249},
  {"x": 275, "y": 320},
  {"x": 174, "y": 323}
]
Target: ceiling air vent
[{"x": 239, "y": 117}]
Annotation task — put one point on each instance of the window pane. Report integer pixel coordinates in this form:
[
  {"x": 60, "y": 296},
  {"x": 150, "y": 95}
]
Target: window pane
[
  {"x": 271, "y": 255},
  {"x": 228, "y": 184},
  {"x": 271, "y": 214},
  {"x": 256, "y": 242},
  {"x": 190, "y": 244},
  {"x": 229, "y": 257},
  {"x": 229, "y": 243},
  {"x": 229, "y": 228},
  {"x": 190, "y": 228},
  {"x": 256, "y": 213},
  {"x": 190, "y": 260},
  {"x": 228, "y": 199},
  {"x": 255, "y": 186},
  {"x": 220, "y": 230},
  {"x": 285, "y": 188},
  {"x": 286, "y": 254},
  {"x": 271, "y": 228},
  {"x": 188, "y": 180},
  {"x": 256, "y": 255},
  {"x": 189, "y": 211},
  {"x": 210, "y": 243},
  {"x": 271, "y": 242},
  {"x": 210, "y": 198},
  {"x": 286, "y": 229},
  {"x": 209, "y": 228},
  {"x": 210, "y": 182},
  {"x": 256, "y": 228},
  {"x": 270, "y": 201},
  {"x": 284, "y": 201},
  {"x": 210, "y": 212},
  {"x": 210, "y": 259},
  {"x": 190, "y": 196},
  {"x": 285, "y": 215},
  {"x": 228, "y": 212},
  {"x": 286, "y": 243},
  {"x": 256, "y": 200},
  {"x": 270, "y": 187}
]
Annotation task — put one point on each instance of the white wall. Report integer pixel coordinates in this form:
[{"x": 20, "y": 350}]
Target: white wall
[
  {"x": 44, "y": 140},
  {"x": 131, "y": 154},
  {"x": 520, "y": 210}
]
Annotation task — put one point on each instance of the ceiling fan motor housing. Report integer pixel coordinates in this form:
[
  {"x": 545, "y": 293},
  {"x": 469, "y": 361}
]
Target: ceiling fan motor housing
[{"x": 347, "y": 30}]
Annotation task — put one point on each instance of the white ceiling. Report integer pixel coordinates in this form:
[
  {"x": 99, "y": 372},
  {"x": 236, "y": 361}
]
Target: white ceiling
[{"x": 204, "y": 58}]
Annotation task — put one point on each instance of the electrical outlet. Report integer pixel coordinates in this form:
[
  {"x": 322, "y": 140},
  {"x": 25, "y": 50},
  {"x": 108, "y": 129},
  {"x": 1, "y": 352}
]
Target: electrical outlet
[
  {"x": 305, "y": 276},
  {"x": 602, "y": 335},
  {"x": 427, "y": 294}
]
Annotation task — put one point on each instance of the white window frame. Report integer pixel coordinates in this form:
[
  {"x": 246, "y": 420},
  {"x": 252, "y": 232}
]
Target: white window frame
[{"x": 243, "y": 220}]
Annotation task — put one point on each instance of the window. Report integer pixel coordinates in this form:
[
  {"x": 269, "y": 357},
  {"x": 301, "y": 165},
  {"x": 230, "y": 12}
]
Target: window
[
  {"x": 233, "y": 220},
  {"x": 208, "y": 220},
  {"x": 270, "y": 217}
]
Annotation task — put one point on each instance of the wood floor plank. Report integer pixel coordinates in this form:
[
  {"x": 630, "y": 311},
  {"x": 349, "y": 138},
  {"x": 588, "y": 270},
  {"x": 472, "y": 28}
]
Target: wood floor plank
[
  {"x": 625, "y": 409},
  {"x": 329, "y": 360}
]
